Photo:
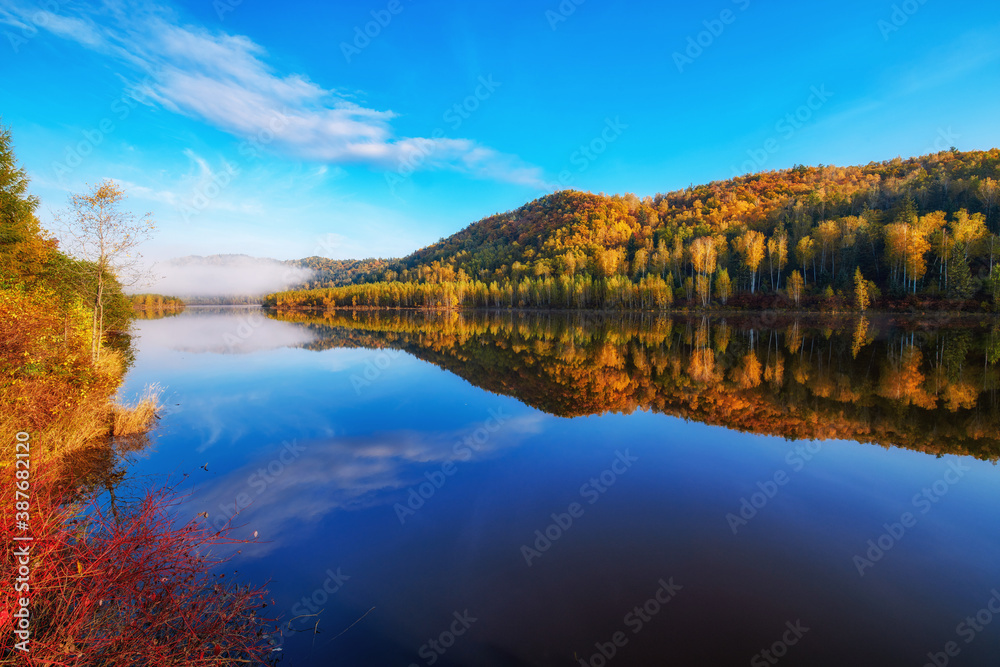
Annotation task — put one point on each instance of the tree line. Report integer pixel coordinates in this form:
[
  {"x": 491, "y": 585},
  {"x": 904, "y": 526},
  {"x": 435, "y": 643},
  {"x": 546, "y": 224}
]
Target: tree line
[
  {"x": 155, "y": 303},
  {"x": 921, "y": 232}
]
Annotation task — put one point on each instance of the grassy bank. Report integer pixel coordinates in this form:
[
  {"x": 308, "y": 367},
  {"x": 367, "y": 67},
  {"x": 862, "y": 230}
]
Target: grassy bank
[{"x": 92, "y": 580}]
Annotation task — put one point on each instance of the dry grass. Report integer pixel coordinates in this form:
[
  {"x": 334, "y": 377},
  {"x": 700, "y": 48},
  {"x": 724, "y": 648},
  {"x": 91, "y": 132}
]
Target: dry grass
[
  {"x": 128, "y": 586},
  {"x": 130, "y": 425}
]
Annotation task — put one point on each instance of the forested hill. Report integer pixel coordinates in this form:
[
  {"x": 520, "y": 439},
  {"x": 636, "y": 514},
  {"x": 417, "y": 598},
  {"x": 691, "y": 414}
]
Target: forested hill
[
  {"x": 332, "y": 272},
  {"x": 923, "y": 229}
]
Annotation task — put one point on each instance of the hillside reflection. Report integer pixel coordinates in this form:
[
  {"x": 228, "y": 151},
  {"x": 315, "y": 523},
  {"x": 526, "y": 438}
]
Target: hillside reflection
[{"x": 886, "y": 381}]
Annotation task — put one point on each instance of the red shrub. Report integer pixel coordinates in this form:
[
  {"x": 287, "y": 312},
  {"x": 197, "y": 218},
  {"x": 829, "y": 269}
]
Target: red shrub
[{"x": 126, "y": 587}]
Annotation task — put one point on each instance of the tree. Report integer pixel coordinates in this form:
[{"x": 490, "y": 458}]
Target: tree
[
  {"x": 106, "y": 237},
  {"x": 777, "y": 256},
  {"x": 795, "y": 285},
  {"x": 916, "y": 252},
  {"x": 828, "y": 233},
  {"x": 750, "y": 246},
  {"x": 661, "y": 258},
  {"x": 988, "y": 193},
  {"x": 639, "y": 263},
  {"x": 896, "y": 237},
  {"x": 724, "y": 286},
  {"x": 805, "y": 252},
  {"x": 703, "y": 258},
  {"x": 962, "y": 285},
  {"x": 862, "y": 299},
  {"x": 993, "y": 284},
  {"x": 969, "y": 232},
  {"x": 25, "y": 251},
  {"x": 703, "y": 287},
  {"x": 609, "y": 260}
]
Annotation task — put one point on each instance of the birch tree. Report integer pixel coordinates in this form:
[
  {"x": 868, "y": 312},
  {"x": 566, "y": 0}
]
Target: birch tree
[{"x": 107, "y": 239}]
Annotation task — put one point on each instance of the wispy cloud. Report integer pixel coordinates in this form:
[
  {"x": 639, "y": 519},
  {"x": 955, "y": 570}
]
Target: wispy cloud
[
  {"x": 342, "y": 474},
  {"x": 225, "y": 81}
]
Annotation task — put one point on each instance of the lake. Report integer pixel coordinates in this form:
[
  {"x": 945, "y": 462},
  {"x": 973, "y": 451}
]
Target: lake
[{"x": 535, "y": 489}]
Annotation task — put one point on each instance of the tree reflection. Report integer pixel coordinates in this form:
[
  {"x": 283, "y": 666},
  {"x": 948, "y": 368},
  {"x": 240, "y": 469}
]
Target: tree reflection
[{"x": 874, "y": 380}]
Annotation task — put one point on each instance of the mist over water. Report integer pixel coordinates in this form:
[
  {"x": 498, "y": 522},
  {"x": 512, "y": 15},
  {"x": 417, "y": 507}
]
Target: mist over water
[{"x": 223, "y": 275}]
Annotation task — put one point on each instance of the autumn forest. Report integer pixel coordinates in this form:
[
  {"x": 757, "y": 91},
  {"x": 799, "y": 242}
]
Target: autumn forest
[{"x": 915, "y": 235}]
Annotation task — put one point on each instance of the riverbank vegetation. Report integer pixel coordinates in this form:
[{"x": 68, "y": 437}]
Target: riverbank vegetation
[
  {"x": 110, "y": 583},
  {"x": 920, "y": 234},
  {"x": 156, "y": 304}
]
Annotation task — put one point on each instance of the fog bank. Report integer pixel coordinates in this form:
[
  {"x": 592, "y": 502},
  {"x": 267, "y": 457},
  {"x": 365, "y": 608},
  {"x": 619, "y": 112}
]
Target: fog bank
[{"x": 222, "y": 275}]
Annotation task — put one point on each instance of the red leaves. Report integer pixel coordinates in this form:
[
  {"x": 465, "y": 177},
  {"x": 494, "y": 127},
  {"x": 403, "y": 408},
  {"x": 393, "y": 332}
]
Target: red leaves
[{"x": 138, "y": 589}]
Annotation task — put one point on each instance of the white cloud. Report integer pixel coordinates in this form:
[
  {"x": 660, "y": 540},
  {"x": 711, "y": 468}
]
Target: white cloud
[
  {"x": 334, "y": 474},
  {"x": 225, "y": 81}
]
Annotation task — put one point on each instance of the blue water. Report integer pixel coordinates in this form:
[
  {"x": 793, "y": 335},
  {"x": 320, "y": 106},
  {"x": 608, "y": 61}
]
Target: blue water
[{"x": 328, "y": 464}]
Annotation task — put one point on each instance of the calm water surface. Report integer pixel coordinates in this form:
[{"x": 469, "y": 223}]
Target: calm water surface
[{"x": 516, "y": 490}]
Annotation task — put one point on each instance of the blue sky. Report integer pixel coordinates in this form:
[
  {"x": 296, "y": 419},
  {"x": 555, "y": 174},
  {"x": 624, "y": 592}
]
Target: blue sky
[{"x": 276, "y": 131}]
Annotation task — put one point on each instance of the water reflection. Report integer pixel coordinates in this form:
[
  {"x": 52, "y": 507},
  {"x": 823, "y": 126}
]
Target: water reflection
[
  {"x": 872, "y": 380},
  {"x": 303, "y": 481},
  {"x": 367, "y": 451},
  {"x": 223, "y": 330}
]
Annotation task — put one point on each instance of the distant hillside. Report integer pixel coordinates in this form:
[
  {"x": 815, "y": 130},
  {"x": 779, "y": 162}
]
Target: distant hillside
[
  {"x": 335, "y": 272},
  {"x": 922, "y": 232}
]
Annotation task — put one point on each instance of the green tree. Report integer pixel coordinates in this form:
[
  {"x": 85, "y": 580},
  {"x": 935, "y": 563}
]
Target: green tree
[
  {"x": 26, "y": 252},
  {"x": 961, "y": 283},
  {"x": 994, "y": 286}
]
